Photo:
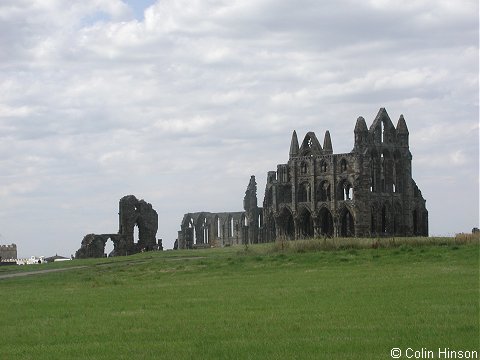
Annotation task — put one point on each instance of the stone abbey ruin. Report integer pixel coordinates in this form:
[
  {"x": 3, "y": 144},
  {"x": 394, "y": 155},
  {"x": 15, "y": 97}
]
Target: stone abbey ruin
[
  {"x": 132, "y": 212},
  {"x": 366, "y": 192}
]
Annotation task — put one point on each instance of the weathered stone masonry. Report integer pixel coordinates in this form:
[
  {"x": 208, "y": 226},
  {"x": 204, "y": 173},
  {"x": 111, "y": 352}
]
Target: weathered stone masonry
[
  {"x": 8, "y": 251},
  {"x": 366, "y": 192},
  {"x": 132, "y": 212}
]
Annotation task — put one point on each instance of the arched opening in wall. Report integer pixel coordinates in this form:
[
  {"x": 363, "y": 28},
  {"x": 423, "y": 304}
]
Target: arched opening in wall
[
  {"x": 323, "y": 191},
  {"x": 345, "y": 190},
  {"x": 109, "y": 247},
  {"x": 326, "y": 222},
  {"x": 347, "y": 228},
  {"x": 205, "y": 231},
  {"x": 230, "y": 226},
  {"x": 287, "y": 224},
  {"x": 382, "y": 130},
  {"x": 303, "y": 192},
  {"x": 191, "y": 235},
  {"x": 306, "y": 224},
  {"x": 343, "y": 165},
  {"x": 217, "y": 227},
  {"x": 244, "y": 230},
  {"x": 136, "y": 235}
]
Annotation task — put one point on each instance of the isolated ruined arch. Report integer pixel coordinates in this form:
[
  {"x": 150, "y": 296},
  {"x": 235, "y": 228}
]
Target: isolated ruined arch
[
  {"x": 347, "y": 222},
  {"x": 305, "y": 223},
  {"x": 133, "y": 214},
  {"x": 325, "y": 219}
]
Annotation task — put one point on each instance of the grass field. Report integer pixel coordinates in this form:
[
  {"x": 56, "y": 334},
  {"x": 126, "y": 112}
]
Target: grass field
[{"x": 274, "y": 301}]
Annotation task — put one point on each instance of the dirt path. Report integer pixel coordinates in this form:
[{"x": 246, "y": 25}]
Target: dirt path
[{"x": 27, "y": 273}]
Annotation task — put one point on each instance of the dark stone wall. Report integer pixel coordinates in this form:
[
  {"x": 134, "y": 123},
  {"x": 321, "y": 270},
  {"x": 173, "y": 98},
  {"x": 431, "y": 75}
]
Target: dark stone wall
[
  {"x": 367, "y": 192},
  {"x": 132, "y": 212}
]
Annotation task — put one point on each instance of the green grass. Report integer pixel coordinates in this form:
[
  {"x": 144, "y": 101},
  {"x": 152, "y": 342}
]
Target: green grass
[{"x": 263, "y": 302}]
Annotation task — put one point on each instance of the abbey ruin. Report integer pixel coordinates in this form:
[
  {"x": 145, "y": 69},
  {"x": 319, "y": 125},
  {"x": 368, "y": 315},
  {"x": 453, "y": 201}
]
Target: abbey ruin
[
  {"x": 366, "y": 192},
  {"x": 132, "y": 212}
]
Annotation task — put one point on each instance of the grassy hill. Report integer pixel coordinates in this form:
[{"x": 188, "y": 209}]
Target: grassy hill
[{"x": 315, "y": 299}]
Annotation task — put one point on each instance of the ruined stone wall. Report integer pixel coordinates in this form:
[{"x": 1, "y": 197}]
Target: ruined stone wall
[
  {"x": 206, "y": 229},
  {"x": 8, "y": 251},
  {"x": 132, "y": 213}
]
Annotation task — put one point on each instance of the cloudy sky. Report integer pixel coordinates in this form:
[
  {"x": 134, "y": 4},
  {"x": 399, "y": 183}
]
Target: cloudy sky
[{"x": 179, "y": 101}]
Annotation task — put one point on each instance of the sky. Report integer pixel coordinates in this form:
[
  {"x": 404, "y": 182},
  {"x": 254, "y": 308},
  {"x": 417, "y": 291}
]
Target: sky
[{"x": 178, "y": 102}]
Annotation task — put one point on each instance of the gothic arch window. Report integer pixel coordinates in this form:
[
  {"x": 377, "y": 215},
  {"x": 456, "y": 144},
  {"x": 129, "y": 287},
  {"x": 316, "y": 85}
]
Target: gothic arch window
[
  {"x": 326, "y": 222},
  {"x": 303, "y": 192},
  {"x": 323, "y": 166},
  {"x": 286, "y": 224},
  {"x": 347, "y": 224},
  {"x": 192, "y": 231},
  {"x": 230, "y": 226},
  {"x": 217, "y": 227},
  {"x": 205, "y": 231},
  {"x": 303, "y": 167},
  {"x": 323, "y": 191},
  {"x": 343, "y": 165},
  {"x": 345, "y": 190},
  {"x": 305, "y": 224}
]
